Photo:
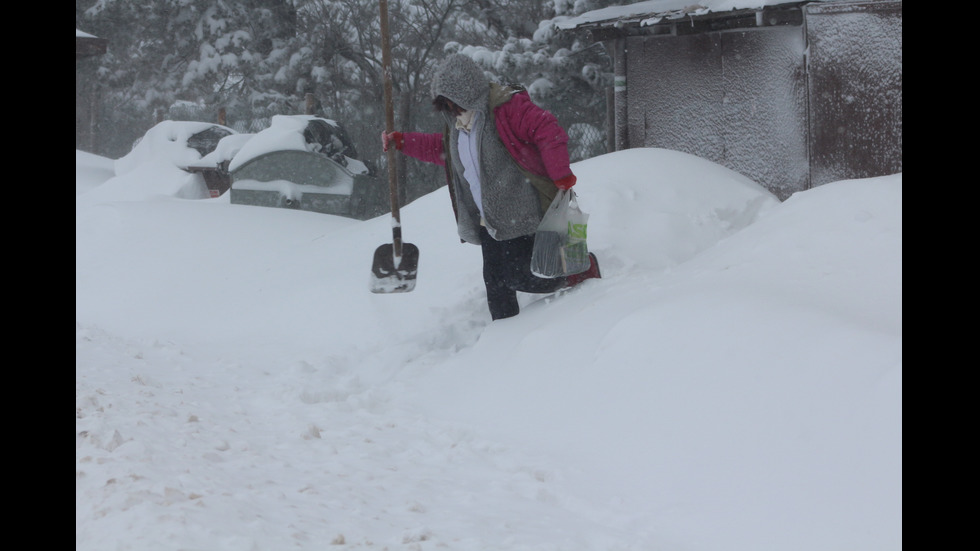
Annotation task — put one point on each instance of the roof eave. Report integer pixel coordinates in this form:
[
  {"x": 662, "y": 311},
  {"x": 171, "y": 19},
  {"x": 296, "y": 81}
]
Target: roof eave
[
  {"x": 690, "y": 22},
  {"x": 87, "y": 46}
]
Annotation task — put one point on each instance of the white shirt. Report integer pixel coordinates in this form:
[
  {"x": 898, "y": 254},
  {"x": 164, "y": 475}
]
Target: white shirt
[{"x": 468, "y": 156}]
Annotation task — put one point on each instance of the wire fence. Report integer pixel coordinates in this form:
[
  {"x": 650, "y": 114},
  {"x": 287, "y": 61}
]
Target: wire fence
[{"x": 587, "y": 138}]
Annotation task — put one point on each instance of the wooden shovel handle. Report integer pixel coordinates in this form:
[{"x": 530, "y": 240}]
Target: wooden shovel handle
[{"x": 396, "y": 228}]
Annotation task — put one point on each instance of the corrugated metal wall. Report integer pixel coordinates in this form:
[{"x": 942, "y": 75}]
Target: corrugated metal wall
[
  {"x": 737, "y": 98},
  {"x": 855, "y": 90}
]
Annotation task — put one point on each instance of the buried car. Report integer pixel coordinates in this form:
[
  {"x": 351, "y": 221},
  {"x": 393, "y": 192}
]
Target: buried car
[
  {"x": 308, "y": 163},
  {"x": 172, "y": 145}
]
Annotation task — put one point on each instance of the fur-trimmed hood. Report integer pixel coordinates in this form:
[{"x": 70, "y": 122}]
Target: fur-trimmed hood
[{"x": 461, "y": 80}]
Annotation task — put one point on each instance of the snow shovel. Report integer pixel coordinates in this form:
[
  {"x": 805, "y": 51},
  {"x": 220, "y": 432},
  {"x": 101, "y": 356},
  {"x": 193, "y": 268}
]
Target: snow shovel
[{"x": 396, "y": 263}]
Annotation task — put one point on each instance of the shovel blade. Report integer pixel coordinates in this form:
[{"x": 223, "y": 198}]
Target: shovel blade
[{"x": 387, "y": 277}]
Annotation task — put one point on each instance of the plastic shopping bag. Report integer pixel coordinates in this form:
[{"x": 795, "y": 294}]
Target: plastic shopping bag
[{"x": 560, "y": 247}]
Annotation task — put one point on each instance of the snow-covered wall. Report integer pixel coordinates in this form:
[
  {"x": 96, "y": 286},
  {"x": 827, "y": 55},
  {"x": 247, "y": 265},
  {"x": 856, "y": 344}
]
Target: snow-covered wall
[
  {"x": 736, "y": 98},
  {"x": 855, "y": 78}
]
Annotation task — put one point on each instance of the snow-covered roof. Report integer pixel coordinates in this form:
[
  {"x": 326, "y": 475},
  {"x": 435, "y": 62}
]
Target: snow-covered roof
[
  {"x": 651, "y": 12},
  {"x": 87, "y": 45}
]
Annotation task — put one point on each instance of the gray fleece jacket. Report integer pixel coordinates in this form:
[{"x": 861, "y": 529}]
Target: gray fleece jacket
[{"x": 512, "y": 204}]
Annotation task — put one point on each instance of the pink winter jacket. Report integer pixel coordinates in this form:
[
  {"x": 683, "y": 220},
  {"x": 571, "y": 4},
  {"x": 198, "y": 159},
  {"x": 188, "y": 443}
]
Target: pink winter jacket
[{"x": 531, "y": 134}]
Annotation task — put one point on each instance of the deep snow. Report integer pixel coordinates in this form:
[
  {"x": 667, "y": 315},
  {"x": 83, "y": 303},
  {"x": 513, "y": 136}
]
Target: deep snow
[{"x": 733, "y": 383}]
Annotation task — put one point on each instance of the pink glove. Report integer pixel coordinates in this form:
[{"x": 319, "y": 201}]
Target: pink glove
[
  {"x": 567, "y": 182},
  {"x": 387, "y": 139}
]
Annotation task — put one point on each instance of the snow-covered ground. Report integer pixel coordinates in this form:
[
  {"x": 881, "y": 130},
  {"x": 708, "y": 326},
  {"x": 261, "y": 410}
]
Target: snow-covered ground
[{"x": 733, "y": 383}]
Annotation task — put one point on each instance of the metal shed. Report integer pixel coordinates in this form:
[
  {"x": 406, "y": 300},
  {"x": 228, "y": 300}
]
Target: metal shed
[{"x": 790, "y": 94}]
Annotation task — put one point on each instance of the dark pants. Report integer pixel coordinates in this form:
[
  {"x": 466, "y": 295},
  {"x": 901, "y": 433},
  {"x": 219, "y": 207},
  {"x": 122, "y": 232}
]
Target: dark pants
[{"x": 507, "y": 270}]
